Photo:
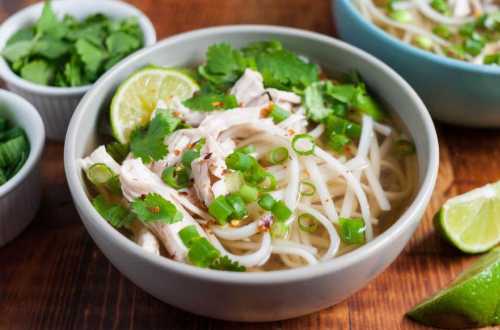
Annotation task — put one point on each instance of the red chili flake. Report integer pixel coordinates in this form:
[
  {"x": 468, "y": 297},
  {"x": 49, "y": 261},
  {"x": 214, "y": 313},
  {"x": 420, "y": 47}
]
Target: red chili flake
[
  {"x": 218, "y": 104},
  {"x": 155, "y": 209},
  {"x": 264, "y": 112},
  {"x": 177, "y": 152}
]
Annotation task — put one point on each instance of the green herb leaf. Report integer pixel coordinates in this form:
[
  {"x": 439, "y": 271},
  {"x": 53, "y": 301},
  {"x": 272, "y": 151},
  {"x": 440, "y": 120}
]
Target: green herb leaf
[
  {"x": 38, "y": 71},
  {"x": 50, "y": 48},
  {"x": 91, "y": 55},
  {"x": 15, "y": 51},
  {"x": 26, "y": 34},
  {"x": 122, "y": 43},
  {"x": 154, "y": 207},
  {"x": 224, "y": 263},
  {"x": 211, "y": 101},
  {"x": 285, "y": 70},
  {"x": 48, "y": 23},
  {"x": 314, "y": 102},
  {"x": 148, "y": 143},
  {"x": 115, "y": 214}
]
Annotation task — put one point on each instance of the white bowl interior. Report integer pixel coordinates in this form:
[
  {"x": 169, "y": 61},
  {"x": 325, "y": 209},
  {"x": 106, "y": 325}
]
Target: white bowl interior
[
  {"x": 78, "y": 8},
  {"x": 334, "y": 56}
]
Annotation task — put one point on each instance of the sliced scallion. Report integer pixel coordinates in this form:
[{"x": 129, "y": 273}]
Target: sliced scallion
[
  {"x": 307, "y": 223},
  {"x": 303, "y": 144},
  {"x": 277, "y": 155},
  {"x": 307, "y": 188}
]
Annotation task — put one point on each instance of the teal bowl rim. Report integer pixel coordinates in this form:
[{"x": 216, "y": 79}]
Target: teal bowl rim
[{"x": 437, "y": 59}]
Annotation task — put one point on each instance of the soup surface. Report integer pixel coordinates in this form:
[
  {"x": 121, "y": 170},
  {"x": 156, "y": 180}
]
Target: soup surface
[
  {"x": 467, "y": 30},
  {"x": 255, "y": 160}
]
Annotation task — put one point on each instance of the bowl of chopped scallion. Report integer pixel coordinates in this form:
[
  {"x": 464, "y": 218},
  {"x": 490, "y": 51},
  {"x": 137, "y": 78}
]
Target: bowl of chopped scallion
[
  {"x": 22, "y": 137},
  {"x": 52, "y": 52}
]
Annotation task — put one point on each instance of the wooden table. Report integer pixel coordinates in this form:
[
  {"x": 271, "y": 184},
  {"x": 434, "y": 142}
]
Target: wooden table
[{"x": 54, "y": 277}]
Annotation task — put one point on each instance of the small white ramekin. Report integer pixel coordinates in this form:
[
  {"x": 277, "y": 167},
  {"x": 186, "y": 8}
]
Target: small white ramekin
[
  {"x": 56, "y": 104},
  {"x": 20, "y": 196}
]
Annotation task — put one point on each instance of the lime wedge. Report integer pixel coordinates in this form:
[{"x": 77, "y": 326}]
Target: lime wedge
[
  {"x": 471, "y": 222},
  {"x": 136, "y": 98},
  {"x": 472, "y": 300}
]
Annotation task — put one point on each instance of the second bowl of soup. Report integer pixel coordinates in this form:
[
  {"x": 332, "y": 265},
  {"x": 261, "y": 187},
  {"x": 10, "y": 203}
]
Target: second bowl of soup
[{"x": 447, "y": 50}]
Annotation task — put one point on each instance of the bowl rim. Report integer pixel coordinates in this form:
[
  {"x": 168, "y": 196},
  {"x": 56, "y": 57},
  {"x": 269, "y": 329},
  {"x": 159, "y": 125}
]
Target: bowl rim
[
  {"x": 36, "y": 140},
  {"x": 417, "y": 207},
  {"x": 149, "y": 37},
  {"x": 438, "y": 59}
]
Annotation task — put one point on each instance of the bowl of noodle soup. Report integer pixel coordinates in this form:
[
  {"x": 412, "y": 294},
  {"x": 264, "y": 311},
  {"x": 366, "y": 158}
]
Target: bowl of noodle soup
[
  {"x": 285, "y": 275},
  {"x": 449, "y": 57}
]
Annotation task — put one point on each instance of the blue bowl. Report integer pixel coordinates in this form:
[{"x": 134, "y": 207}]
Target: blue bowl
[{"x": 455, "y": 92}]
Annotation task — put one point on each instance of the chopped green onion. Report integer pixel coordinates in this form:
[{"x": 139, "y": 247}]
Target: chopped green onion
[
  {"x": 279, "y": 230},
  {"x": 307, "y": 188},
  {"x": 402, "y": 16},
  {"x": 280, "y": 211},
  {"x": 473, "y": 46},
  {"x": 238, "y": 205},
  {"x": 220, "y": 210},
  {"x": 176, "y": 177},
  {"x": 115, "y": 214},
  {"x": 233, "y": 181},
  {"x": 307, "y": 223},
  {"x": 202, "y": 253},
  {"x": 492, "y": 59},
  {"x": 239, "y": 161},
  {"x": 335, "y": 124},
  {"x": 246, "y": 149},
  {"x": 423, "y": 42},
  {"x": 278, "y": 114},
  {"x": 3, "y": 177},
  {"x": 99, "y": 174},
  {"x": 352, "y": 230},
  {"x": 402, "y": 148},
  {"x": 256, "y": 175},
  {"x": 188, "y": 234},
  {"x": 12, "y": 150},
  {"x": 266, "y": 202},
  {"x": 269, "y": 183},
  {"x": 303, "y": 144},
  {"x": 248, "y": 193},
  {"x": 441, "y": 6},
  {"x": 277, "y": 155},
  {"x": 338, "y": 142},
  {"x": 442, "y": 31}
]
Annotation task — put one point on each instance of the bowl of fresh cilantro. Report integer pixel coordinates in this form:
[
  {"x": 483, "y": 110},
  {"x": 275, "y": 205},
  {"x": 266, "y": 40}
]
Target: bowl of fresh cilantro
[{"x": 51, "y": 53}]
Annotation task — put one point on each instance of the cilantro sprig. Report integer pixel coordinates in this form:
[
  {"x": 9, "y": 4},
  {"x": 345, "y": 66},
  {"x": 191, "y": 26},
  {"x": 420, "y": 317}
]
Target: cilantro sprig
[
  {"x": 203, "y": 254},
  {"x": 153, "y": 207},
  {"x": 67, "y": 52},
  {"x": 117, "y": 215},
  {"x": 280, "y": 68},
  {"x": 147, "y": 143}
]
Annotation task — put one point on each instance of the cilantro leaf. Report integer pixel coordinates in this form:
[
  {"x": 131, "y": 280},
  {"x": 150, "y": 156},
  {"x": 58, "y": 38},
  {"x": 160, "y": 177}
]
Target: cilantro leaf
[
  {"x": 224, "y": 263},
  {"x": 91, "y": 55},
  {"x": 283, "y": 69},
  {"x": 115, "y": 214},
  {"x": 48, "y": 23},
  {"x": 314, "y": 102},
  {"x": 341, "y": 92},
  {"x": 17, "y": 50},
  {"x": 154, "y": 207},
  {"x": 26, "y": 34},
  {"x": 148, "y": 143},
  {"x": 258, "y": 47},
  {"x": 211, "y": 101},
  {"x": 224, "y": 65},
  {"x": 38, "y": 71},
  {"x": 121, "y": 43},
  {"x": 50, "y": 48}
]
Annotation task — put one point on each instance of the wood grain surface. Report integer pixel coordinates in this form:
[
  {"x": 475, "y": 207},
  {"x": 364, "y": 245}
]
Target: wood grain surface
[{"x": 54, "y": 277}]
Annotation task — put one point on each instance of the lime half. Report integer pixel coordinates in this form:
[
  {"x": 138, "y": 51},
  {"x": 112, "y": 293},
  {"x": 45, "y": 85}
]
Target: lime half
[
  {"x": 136, "y": 98},
  {"x": 471, "y": 221},
  {"x": 472, "y": 300}
]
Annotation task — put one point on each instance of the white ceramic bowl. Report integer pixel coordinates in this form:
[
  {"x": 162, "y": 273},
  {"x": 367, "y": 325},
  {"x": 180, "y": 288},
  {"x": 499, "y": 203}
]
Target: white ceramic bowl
[
  {"x": 254, "y": 296},
  {"x": 56, "y": 104},
  {"x": 20, "y": 196}
]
